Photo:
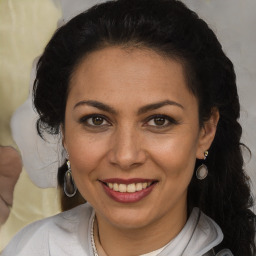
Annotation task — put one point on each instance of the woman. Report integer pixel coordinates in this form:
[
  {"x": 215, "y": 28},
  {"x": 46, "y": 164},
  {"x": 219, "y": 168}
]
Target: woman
[{"x": 147, "y": 105}]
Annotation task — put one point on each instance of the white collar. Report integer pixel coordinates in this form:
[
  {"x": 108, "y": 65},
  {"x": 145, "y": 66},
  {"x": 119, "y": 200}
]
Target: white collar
[{"x": 199, "y": 235}]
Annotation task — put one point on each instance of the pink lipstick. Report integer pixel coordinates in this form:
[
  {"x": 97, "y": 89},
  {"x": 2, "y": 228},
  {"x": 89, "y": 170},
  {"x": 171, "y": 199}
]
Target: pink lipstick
[{"x": 128, "y": 190}]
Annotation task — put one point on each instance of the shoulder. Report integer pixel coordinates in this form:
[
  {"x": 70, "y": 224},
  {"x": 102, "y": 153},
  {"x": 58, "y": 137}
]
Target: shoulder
[
  {"x": 51, "y": 234},
  {"x": 224, "y": 252},
  {"x": 205, "y": 236},
  {"x": 209, "y": 232}
]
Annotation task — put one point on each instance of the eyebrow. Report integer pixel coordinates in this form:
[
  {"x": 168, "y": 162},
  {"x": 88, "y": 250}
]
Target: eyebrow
[
  {"x": 96, "y": 104},
  {"x": 142, "y": 110},
  {"x": 157, "y": 105}
]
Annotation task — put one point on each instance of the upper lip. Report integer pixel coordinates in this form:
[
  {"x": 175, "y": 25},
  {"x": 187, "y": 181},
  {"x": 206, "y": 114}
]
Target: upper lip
[{"x": 127, "y": 181}]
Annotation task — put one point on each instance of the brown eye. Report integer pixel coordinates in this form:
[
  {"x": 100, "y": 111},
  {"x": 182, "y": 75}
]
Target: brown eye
[
  {"x": 159, "y": 121},
  {"x": 94, "y": 121},
  {"x": 97, "y": 120}
]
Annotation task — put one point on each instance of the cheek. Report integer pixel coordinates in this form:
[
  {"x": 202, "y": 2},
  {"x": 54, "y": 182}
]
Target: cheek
[
  {"x": 86, "y": 153},
  {"x": 176, "y": 155}
]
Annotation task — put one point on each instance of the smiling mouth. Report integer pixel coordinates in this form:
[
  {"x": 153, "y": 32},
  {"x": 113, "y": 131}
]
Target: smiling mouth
[{"x": 129, "y": 188}]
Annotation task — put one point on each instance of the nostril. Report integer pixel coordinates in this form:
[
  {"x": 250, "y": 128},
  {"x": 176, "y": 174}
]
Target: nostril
[{"x": 126, "y": 159}]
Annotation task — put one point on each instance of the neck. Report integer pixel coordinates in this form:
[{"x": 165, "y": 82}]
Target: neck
[{"x": 136, "y": 241}]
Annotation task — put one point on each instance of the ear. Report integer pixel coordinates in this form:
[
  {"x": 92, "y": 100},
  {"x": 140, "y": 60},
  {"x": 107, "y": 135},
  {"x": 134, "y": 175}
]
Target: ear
[{"x": 207, "y": 133}]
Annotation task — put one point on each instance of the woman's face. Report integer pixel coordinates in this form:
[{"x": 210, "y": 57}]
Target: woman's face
[{"x": 132, "y": 133}]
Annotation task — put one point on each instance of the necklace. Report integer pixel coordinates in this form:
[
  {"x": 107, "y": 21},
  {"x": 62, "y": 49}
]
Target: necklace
[{"x": 95, "y": 252}]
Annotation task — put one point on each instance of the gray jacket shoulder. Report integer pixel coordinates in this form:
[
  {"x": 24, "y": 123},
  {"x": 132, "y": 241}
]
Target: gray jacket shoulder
[{"x": 224, "y": 252}]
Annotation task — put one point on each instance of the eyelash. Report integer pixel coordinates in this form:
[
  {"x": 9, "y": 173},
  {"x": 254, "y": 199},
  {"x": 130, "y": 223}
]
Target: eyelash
[
  {"x": 170, "y": 121},
  {"x": 85, "y": 120}
]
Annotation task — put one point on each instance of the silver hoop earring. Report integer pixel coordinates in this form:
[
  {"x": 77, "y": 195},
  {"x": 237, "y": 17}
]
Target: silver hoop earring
[
  {"x": 69, "y": 184},
  {"x": 202, "y": 170}
]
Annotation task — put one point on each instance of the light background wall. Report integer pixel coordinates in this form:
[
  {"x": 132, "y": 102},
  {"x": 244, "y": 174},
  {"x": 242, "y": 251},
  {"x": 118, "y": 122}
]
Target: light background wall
[
  {"x": 26, "y": 26},
  {"x": 234, "y": 23}
]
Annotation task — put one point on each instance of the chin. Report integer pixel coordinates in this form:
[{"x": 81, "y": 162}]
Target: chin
[{"x": 126, "y": 218}]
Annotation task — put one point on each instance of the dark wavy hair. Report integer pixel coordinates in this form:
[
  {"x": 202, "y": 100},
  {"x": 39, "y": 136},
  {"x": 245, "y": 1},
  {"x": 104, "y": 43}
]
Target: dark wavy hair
[{"x": 172, "y": 30}]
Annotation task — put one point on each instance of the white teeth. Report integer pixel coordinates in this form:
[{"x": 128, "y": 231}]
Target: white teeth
[
  {"x": 144, "y": 185},
  {"x": 130, "y": 188},
  {"x": 115, "y": 187},
  {"x": 138, "y": 187},
  {"x": 122, "y": 188}
]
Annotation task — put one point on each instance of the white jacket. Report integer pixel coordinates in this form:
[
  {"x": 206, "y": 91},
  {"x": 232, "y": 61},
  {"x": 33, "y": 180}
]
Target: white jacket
[{"x": 68, "y": 233}]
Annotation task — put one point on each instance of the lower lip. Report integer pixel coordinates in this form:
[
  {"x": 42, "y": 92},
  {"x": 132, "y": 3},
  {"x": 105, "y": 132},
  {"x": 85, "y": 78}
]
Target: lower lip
[{"x": 128, "y": 197}]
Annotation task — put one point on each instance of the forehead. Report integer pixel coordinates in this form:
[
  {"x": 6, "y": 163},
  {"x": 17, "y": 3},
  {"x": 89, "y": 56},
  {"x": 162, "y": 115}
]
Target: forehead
[{"x": 116, "y": 73}]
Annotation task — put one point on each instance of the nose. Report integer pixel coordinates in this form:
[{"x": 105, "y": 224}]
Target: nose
[{"x": 126, "y": 149}]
